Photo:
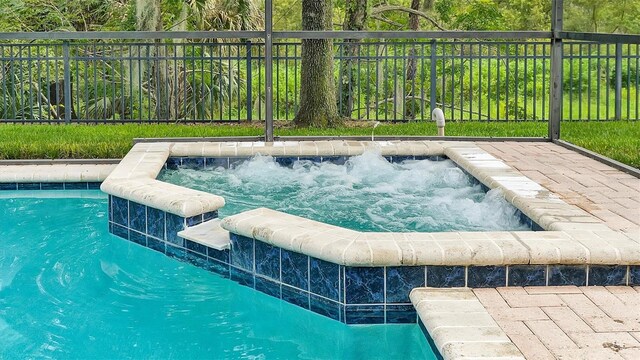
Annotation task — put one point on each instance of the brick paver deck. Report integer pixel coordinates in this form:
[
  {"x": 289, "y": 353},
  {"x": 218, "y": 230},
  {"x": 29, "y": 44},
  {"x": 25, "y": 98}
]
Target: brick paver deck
[
  {"x": 568, "y": 322},
  {"x": 572, "y": 322},
  {"x": 605, "y": 192}
]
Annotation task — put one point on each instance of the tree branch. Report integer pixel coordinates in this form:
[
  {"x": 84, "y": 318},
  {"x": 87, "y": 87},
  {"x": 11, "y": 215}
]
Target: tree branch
[{"x": 384, "y": 8}]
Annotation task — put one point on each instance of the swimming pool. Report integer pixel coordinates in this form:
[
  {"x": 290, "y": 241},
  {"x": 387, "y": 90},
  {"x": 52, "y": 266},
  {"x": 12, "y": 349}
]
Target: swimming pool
[
  {"x": 363, "y": 193},
  {"x": 69, "y": 289}
]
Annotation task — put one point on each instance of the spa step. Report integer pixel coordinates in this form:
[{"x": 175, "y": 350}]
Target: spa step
[{"x": 208, "y": 233}]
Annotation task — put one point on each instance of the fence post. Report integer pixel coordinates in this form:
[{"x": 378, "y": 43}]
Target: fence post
[
  {"x": 618, "y": 81},
  {"x": 67, "y": 82},
  {"x": 268, "y": 76},
  {"x": 555, "y": 106},
  {"x": 432, "y": 77},
  {"x": 249, "y": 82}
]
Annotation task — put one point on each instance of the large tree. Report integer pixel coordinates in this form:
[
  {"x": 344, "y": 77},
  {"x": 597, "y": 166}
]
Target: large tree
[{"x": 317, "y": 88}]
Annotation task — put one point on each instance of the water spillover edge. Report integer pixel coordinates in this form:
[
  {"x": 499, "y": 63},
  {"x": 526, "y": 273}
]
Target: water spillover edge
[{"x": 367, "y": 193}]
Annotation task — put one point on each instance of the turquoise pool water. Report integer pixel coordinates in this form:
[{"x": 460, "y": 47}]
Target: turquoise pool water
[
  {"x": 69, "y": 289},
  {"x": 368, "y": 193}
]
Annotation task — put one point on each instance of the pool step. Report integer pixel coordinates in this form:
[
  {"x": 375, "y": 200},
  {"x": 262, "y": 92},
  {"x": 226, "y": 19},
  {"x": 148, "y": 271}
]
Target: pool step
[{"x": 209, "y": 233}]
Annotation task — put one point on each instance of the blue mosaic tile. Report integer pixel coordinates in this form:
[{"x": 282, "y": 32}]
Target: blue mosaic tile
[
  {"x": 138, "y": 238},
  {"x": 364, "y": 314},
  {"x": 486, "y": 276},
  {"x": 445, "y": 276},
  {"x": 634, "y": 275},
  {"x": 176, "y": 252},
  {"x": 52, "y": 186},
  {"x": 156, "y": 245},
  {"x": 120, "y": 209},
  {"x": 137, "y": 217},
  {"x": 155, "y": 222},
  {"x": 401, "y": 280},
  {"x": 76, "y": 186},
  {"x": 341, "y": 285},
  {"x": 219, "y": 255},
  {"x": 197, "y": 259},
  {"x": 267, "y": 260},
  {"x": 173, "y": 163},
  {"x": 268, "y": 287},
  {"x": 325, "y": 307},
  {"x": 196, "y": 247},
  {"x": 194, "y": 220},
  {"x": 364, "y": 285},
  {"x": 337, "y": 160},
  {"x": 527, "y": 275},
  {"x": 286, "y": 161},
  {"x": 600, "y": 275},
  {"x": 8, "y": 186},
  {"x": 295, "y": 296},
  {"x": 242, "y": 277},
  {"x": 28, "y": 186},
  {"x": 214, "y": 163},
  {"x": 94, "y": 185},
  {"x": 242, "y": 252},
  {"x": 295, "y": 269},
  {"x": 567, "y": 275},
  {"x": 313, "y": 159},
  {"x": 401, "y": 314},
  {"x": 120, "y": 231},
  {"x": 209, "y": 215},
  {"x": 236, "y": 161},
  {"x": 217, "y": 267},
  {"x": 174, "y": 224},
  {"x": 193, "y": 163},
  {"x": 401, "y": 158},
  {"x": 324, "y": 277}
]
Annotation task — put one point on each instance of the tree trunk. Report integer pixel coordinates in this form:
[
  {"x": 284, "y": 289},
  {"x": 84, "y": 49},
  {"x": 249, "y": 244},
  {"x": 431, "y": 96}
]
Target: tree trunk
[
  {"x": 318, "y": 89},
  {"x": 354, "y": 19},
  {"x": 412, "y": 63}
]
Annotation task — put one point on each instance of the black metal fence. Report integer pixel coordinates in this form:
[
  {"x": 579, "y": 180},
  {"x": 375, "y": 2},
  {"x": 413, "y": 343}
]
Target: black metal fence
[{"x": 196, "y": 80}]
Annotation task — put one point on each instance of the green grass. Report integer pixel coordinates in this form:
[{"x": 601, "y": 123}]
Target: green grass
[{"x": 619, "y": 140}]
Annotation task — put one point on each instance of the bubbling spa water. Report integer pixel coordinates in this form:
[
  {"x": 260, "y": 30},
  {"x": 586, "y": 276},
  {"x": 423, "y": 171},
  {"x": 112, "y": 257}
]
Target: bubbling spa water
[{"x": 367, "y": 193}]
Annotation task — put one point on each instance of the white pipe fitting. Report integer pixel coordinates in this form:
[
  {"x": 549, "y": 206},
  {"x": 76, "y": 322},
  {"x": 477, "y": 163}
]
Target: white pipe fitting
[{"x": 438, "y": 116}]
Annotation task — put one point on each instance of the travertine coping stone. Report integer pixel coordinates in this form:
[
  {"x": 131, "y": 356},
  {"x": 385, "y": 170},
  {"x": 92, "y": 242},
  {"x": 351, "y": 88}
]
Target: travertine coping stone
[
  {"x": 460, "y": 326},
  {"x": 354, "y": 248},
  {"x": 134, "y": 180},
  {"x": 55, "y": 173}
]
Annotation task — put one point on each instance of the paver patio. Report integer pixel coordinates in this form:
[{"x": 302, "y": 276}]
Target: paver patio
[
  {"x": 604, "y": 192},
  {"x": 568, "y": 322},
  {"x": 572, "y": 322}
]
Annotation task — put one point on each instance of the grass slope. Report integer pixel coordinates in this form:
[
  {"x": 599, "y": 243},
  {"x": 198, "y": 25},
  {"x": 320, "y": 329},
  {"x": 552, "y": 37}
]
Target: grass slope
[{"x": 619, "y": 140}]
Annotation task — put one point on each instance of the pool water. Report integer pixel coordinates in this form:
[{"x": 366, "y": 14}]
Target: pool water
[
  {"x": 69, "y": 289},
  {"x": 368, "y": 193}
]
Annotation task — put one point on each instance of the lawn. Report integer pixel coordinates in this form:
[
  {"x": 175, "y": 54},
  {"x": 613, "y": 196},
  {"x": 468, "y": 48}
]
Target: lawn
[{"x": 619, "y": 140}]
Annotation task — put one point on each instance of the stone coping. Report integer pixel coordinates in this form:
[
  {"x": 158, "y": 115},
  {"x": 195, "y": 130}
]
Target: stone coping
[
  {"x": 353, "y": 248},
  {"x": 574, "y": 236},
  {"x": 134, "y": 179},
  {"x": 460, "y": 326},
  {"x": 55, "y": 173}
]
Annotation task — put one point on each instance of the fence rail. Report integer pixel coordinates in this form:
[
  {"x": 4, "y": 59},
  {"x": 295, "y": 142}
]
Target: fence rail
[{"x": 381, "y": 76}]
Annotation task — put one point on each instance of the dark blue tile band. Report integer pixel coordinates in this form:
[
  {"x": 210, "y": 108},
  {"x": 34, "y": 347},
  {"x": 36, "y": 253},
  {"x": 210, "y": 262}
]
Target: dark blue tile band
[
  {"x": 295, "y": 269},
  {"x": 364, "y": 285}
]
